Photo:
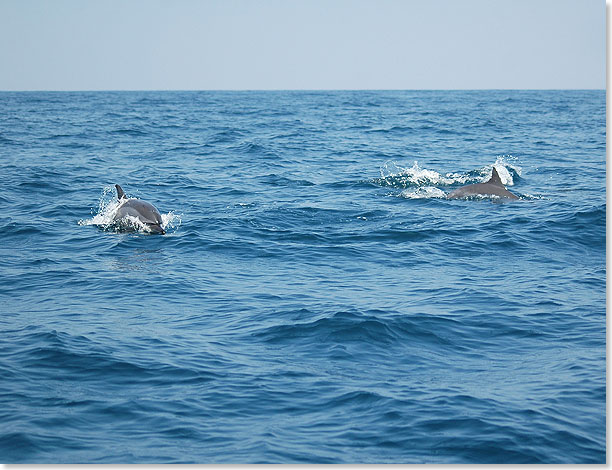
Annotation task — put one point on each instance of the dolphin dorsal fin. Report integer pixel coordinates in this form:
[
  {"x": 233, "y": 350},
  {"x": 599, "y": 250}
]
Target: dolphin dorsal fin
[
  {"x": 120, "y": 193},
  {"x": 495, "y": 179}
]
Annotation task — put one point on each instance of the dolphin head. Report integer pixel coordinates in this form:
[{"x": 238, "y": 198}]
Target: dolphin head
[{"x": 156, "y": 228}]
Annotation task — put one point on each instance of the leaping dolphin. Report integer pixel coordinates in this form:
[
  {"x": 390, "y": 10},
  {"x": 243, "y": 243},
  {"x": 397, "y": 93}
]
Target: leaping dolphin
[
  {"x": 142, "y": 210},
  {"x": 493, "y": 187}
]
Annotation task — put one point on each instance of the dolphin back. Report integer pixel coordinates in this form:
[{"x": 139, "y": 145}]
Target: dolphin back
[
  {"x": 493, "y": 187},
  {"x": 146, "y": 212}
]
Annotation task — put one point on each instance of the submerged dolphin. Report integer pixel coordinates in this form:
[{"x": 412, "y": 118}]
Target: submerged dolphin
[
  {"x": 493, "y": 187},
  {"x": 142, "y": 210}
]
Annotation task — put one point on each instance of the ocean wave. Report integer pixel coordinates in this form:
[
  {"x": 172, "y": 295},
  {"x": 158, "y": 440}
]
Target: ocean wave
[
  {"x": 7, "y": 141},
  {"x": 584, "y": 227},
  {"x": 279, "y": 180},
  {"x": 50, "y": 353},
  {"x": 391, "y": 130},
  {"x": 367, "y": 329},
  {"x": 254, "y": 148},
  {"x": 225, "y": 136},
  {"x": 131, "y": 132},
  {"x": 18, "y": 230}
]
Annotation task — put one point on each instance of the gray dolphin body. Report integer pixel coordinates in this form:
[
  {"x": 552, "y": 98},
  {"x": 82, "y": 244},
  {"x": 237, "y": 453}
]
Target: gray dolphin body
[
  {"x": 493, "y": 187},
  {"x": 142, "y": 210}
]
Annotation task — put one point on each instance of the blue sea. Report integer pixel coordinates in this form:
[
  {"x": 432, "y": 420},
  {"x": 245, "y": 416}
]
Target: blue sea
[{"x": 315, "y": 298}]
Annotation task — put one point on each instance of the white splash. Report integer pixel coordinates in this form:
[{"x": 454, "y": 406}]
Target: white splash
[
  {"x": 425, "y": 192},
  {"x": 107, "y": 208},
  {"x": 502, "y": 163},
  {"x": 171, "y": 221},
  {"x": 393, "y": 174}
]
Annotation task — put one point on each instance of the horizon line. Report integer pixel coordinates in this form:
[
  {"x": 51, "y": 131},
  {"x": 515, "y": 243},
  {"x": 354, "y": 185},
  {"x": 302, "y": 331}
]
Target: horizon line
[{"x": 103, "y": 90}]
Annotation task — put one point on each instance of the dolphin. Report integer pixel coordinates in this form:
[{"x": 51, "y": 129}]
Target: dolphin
[
  {"x": 142, "y": 210},
  {"x": 493, "y": 187}
]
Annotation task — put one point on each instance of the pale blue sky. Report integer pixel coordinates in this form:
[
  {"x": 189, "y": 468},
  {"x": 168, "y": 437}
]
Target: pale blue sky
[{"x": 301, "y": 44}]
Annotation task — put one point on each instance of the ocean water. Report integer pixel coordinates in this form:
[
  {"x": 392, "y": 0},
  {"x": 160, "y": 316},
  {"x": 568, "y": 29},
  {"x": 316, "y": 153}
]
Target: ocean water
[{"x": 315, "y": 299}]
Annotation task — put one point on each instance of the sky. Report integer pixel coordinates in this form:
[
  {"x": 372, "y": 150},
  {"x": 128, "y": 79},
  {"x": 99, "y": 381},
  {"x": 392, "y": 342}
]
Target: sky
[{"x": 302, "y": 44}]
